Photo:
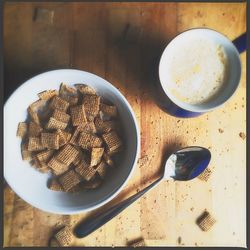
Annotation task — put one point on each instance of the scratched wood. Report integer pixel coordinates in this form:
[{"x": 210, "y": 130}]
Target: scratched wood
[{"x": 122, "y": 42}]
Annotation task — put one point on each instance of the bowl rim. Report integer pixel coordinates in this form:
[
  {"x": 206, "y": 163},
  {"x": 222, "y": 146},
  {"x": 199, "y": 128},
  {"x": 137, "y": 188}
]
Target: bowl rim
[{"x": 116, "y": 191}]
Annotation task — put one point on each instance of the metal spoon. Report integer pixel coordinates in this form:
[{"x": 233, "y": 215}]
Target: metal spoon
[{"x": 183, "y": 165}]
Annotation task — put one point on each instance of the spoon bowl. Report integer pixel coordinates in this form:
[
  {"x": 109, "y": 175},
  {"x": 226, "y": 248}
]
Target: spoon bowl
[{"x": 187, "y": 163}]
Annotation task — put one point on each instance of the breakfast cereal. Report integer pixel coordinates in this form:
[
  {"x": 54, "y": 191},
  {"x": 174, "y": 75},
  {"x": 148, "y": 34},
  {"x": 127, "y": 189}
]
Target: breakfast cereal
[{"x": 73, "y": 134}]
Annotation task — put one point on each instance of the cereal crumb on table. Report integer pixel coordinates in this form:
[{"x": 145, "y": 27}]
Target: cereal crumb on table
[
  {"x": 242, "y": 135},
  {"x": 205, "y": 175},
  {"x": 179, "y": 240},
  {"x": 220, "y": 130}
]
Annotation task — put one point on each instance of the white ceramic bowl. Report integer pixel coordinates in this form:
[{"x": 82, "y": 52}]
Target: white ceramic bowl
[{"x": 28, "y": 183}]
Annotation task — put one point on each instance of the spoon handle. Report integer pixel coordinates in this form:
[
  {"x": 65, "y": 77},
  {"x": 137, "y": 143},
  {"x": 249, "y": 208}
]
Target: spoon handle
[{"x": 91, "y": 224}]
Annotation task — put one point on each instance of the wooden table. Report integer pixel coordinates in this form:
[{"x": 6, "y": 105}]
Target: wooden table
[{"x": 121, "y": 42}]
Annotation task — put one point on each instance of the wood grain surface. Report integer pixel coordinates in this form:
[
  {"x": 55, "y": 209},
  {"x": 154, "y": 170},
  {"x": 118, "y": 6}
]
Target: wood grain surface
[{"x": 122, "y": 42}]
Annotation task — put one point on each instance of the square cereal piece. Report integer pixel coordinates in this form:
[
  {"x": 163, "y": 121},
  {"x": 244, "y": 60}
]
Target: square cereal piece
[
  {"x": 205, "y": 221},
  {"x": 96, "y": 142},
  {"x": 107, "y": 158},
  {"x": 64, "y": 137},
  {"x": 205, "y": 175},
  {"x": 109, "y": 110},
  {"x": 89, "y": 128},
  {"x": 57, "y": 167},
  {"x": 34, "y": 129},
  {"x": 74, "y": 137},
  {"x": 22, "y": 129},
  {"x": 85, "y": 89},
  {"x": 87, "y": 141},
  {"x": 61, "y": 116},
  {"x": 72, "y": 100},
  {"x": 78, "y": 115},
  {"x": 64, "y": 237},
  {"x": 50, "y": 140},
  {"x": 85, "y": 171},
  {"x": 112, "y": 141},
  {"x": 84, "y": 139},
  {"x": 81, "y": 127},
  {"x": 78, "y": 158},
  {"x": 69, "y": 179},
  {"x": 33, "y": 115},
  {"x": 55, "y": 185},
  {"x": 35, "y": 144},
  {"x": 55, "y": 124},
  {"x": 67, "y": 135},
  {"x": 59, "y": 103},
  {"x": 96, "y": 156},
  {"x": 101, "y": 169},
  {"x": 104, "y": 126},
  {"x": 137, "y": 243},
  {"x": 45, "y": 155},
  {"x": 47, "y": 94},
  {"x": 26, "y": 155},
  {"x": 91, "y": 105},
  {"x": 67, "y": 154}
]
